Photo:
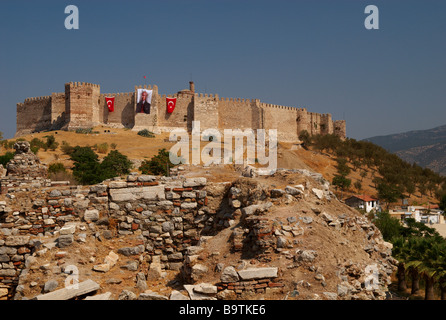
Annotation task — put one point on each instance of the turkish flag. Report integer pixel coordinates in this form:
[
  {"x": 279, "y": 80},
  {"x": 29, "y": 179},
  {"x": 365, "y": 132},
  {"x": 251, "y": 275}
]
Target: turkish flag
[
  {"x": 171, "y": 102},
  {"x": 110, "y": 103}
]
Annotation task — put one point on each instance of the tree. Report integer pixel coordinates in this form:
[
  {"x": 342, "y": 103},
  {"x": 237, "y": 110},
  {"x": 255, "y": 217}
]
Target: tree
[
  {"x": 342, "y": 182},
  {"x": 67, "y": 148},
  {"x": 305, "y": 137},
  {"x": 388, "y": 192},
  {"x": 358, "y": 186},
  {"x": 86, "y": 165},
  {"x": 414, "y": 254},
  {"x": 51, "y": 142},
  {"x": 410, "y": 188},
  {"x": 342, "y": 168},
  {"x": 56, "y": 167},
  {"x": 432, "y": 187},
  {"x": 442, "y": 204},
  {"x": 340, "y": 179},
  {"x": 115, "y": 164},
  {"x": 423, "y": 189},
  {"x": 399, "y": 251},
  {"x": 363, "y": 174},
  {"x": 390, "y": 227},
  {"x": 4, "y": 159},
  {"x": 158, "y": 165},
  {"x": 427, "y": 265}
]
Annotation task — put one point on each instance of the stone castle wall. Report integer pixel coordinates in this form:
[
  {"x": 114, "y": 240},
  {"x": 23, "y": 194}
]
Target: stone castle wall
[
  {"x": 283, "y": 119},
  {"x": 123, "y": 116},
  {"x": 181, "y": 117},
  {"x": 35, "y": 115},
  {"x": 83, "y": 106}
]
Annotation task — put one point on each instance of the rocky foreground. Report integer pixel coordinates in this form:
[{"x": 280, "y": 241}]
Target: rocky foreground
[{"x": 284, "y": 236}]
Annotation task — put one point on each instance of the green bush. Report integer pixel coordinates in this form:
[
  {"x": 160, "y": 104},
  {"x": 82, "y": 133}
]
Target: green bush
[
  {"x": 115, "y": 164},
  {"x": 4, "y": 159},
  {"x": 86, "y": 131},
  {"x": 305, "y": 137},
  {"x": 89, "y": 170},
  {"x": 51, "y": 142},
  {"x": 36, "y": 144},
  {"x": 158, "y": 165},
  {"x": 56, "y": 167},
  {"x": 66, "y": 148},
  {"x": 34, "y": 149},
  {"x": 390, "y": 227},
  {"x": 146, "y": 133},
  {"x": 86, "y": 168},
  {"x": 102, "y": 148}
]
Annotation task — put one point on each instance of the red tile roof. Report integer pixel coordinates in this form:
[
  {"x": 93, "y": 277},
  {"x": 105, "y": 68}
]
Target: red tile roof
[{"x": 365, "y": 198}]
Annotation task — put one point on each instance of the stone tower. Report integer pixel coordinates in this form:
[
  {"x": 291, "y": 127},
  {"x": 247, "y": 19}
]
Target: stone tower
[{"x": 81, "y": 105}]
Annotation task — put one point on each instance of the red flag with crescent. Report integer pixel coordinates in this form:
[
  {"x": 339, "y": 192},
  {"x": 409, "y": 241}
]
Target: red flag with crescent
[
  {"x": 171, "y": 102},
  {"x": 110, "y": 103}
]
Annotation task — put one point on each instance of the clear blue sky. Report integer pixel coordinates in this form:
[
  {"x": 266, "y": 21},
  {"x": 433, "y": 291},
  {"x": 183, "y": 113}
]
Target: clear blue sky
[{"x": 316, "y": 54}]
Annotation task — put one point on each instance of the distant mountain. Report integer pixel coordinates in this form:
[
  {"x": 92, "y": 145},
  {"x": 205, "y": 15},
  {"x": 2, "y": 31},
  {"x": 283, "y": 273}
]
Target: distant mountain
[{"x": 427, "y": 148}]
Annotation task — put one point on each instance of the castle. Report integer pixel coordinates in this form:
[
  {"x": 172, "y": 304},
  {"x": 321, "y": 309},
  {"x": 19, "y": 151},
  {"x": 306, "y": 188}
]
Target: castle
[{"x": 82, "y": 105}]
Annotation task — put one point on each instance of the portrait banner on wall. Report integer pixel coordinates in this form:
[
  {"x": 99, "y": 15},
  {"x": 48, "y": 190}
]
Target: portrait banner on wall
[
  {"x": 170, "y": 103},
  {"x": 144, "y": 101},
  {"x": 110, "y": 101}
]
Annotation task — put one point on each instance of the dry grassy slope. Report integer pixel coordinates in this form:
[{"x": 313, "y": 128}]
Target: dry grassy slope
[{"x": 290, "y": 156}]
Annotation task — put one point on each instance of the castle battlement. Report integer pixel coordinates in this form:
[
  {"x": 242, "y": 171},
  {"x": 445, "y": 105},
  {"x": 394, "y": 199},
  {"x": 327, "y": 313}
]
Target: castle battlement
[
  {"x": 239, "y": 100},
  {"x": 119, "y": 94},
  {"x": 82, "y": 84},
  {"x": 82, "y": 105},
  {"x": 276, "y": 106},
  {"x": 37, "y": 99}
]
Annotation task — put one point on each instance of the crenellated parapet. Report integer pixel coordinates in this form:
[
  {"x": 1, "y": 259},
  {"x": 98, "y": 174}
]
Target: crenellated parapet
[
  {"x": 82, "y": 105},
  {"x": 82, "y": 84},
  {"x": 37, "y": 99}
]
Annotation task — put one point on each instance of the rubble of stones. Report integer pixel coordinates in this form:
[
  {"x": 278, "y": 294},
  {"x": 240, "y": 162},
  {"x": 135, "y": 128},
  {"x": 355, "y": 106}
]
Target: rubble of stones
[
  {"x": 24, "y": 172},
  {"x": 172, "y": 217}
]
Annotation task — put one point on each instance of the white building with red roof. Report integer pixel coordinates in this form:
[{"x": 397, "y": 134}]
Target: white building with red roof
[{"x": 364, "y": 202}]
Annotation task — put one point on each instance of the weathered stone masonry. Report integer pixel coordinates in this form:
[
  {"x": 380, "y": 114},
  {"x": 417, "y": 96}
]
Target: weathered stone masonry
[
  {"x": 83, "y": 106},
  {"x": 169, "y": 214}
]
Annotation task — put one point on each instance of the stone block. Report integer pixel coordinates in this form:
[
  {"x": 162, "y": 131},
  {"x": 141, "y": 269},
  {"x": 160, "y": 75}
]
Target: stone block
[
  {"x": 13, "y": 241},
  {"x": 194, "y": 182},
  {"x": 150, "y": 295},
  {"x": 134, "y": 194},
  {"x": 189, "y": 205},
  {"x": 65, "y": 240},
  {"x": 258, "y": 273},
  {"x": 91, "y": 215}
]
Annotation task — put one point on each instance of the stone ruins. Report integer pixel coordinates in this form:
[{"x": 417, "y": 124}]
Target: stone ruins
[{"x": 172, "y": 223}]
